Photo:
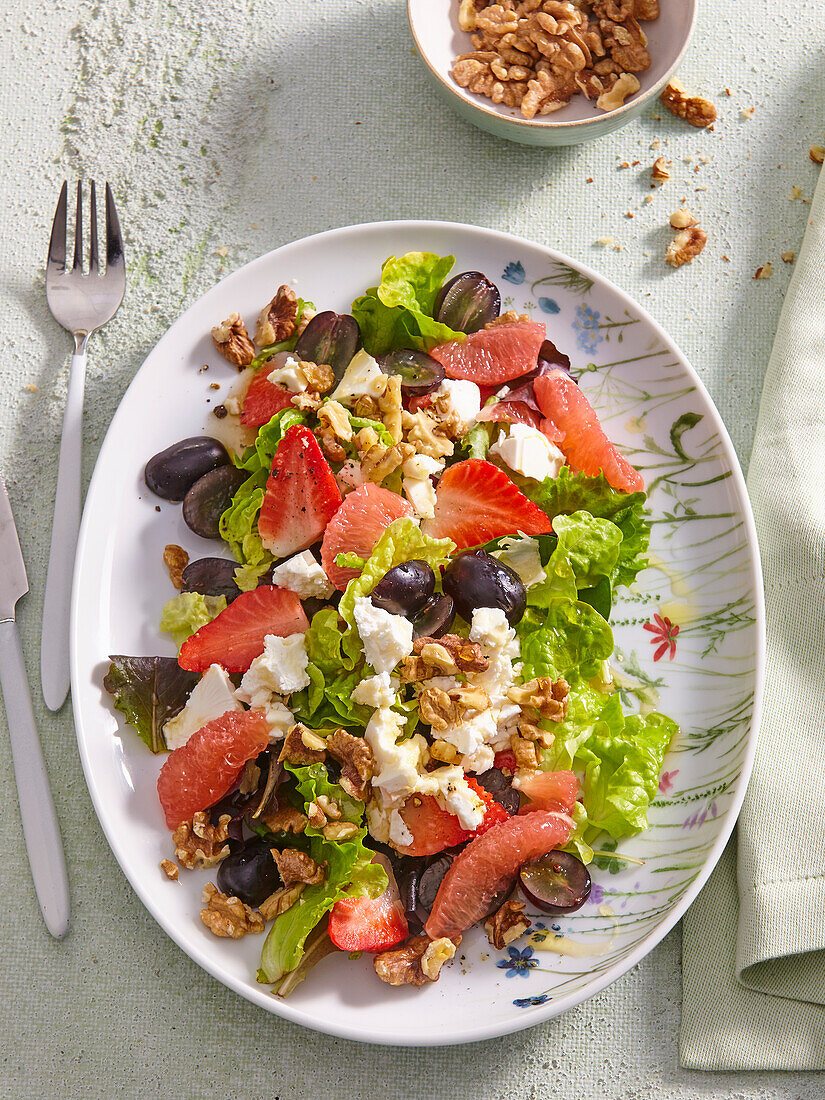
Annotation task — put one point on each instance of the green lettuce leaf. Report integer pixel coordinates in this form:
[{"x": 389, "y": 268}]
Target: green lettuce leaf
[
  {"x": 148, "y": 691},
  {"x": 584, "y": 558},
  {"x": 283, "y": 345},
  {"x": 187, "y": 612},
  {"x": 574, "y": 492},
  {"x": 350, "y": 873},
  {"x": 333, "y": 676},
  {"x": 259, "y": 456},
  {"x": 476, "y": 443},
  {"x": 248, "y": 577},
  {"x": 567, "y": 637},
  {"x": 402, "y": 541},
  {"x": 398, "y": 313},
  {"x": 621, "y": 773}
]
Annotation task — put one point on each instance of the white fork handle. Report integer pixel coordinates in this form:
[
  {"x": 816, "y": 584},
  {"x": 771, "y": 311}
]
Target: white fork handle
[
  {"x": 40, "y": 829},
  {"x": 54, "y": 639}
]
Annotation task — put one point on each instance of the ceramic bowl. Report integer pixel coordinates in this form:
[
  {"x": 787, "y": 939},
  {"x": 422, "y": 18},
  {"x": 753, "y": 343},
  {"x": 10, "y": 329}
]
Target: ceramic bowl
[{"x": 434, "y": 26}]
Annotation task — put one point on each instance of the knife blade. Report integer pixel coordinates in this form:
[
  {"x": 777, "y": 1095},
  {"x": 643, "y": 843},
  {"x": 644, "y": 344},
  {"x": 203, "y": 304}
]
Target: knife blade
[{"x": 41, "y": 831}]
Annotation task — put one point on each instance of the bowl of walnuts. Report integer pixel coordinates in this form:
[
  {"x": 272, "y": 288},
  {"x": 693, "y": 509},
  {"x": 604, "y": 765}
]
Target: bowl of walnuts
[{"x": 551, "y": 72}]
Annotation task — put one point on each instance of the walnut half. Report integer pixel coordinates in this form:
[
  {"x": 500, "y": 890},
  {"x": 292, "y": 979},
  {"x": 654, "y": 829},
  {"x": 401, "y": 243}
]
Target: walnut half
[
  {"x": 226, "y": 916},
  {"x": 415, "y": 962},
  {"x": 277, "y": 319},
  {"x": 198, "y": 843},
  {"x": 694, "y": 109},
  {"x": 232, "y": 341},
  {"x": 686, "y": 246}
]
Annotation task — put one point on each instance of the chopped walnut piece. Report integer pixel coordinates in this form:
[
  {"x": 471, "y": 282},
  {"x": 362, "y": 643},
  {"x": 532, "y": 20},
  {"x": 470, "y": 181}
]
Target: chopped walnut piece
[
  {"x": 296, "y": 750},
  {"x": 295, "y": 866},
  {"x": 423, "y": 432},
  {"x": 442, "y": 657},
  {"x": 378, "y": 460},
  {"x": 682, "y": 219},
  {"x": 330, "y": 445},
  {"x": 696, "y": 110},
  {"x": 176, "y": 559},
  {"x": 531, "y": 732},
  {"x": 232, "y": 341},
  {"x": 789, "y": 256},
  {"x": 319, "y": 376},
  {"x": 280, "y": 901},
  {"x": 542, "y": 696},
  {"x": 415, "y": 962},
  {"x": 277, "y": 319},
  {"x": 817, "y": 153},
  {"x": 443, "y": 751},
  {"x": 285, "y": 819},
  {"x": 228, "y": 916},
  {"x": 524, "y": 752},
  {"x": 611, "y": 100},
  {"x": 764, "y": 272},
  {"x": 307, "y": 400},
  {"x": 333, "y": 416},
  {"x": 509, "y": 317},
  {"x": 506, "y": 924},
  {"x": 659, "y": 170},
  {"x": 169, "y": 868},
  {"x": 198, "y": 843},
  {"x": 339, "y": 830},
  {"x": 322, "y": 810},
  {"x": 685, "y": 246},
  {"x": 355, "y": 757},
  {"x": 389, "y": 405},
  {"x": 441, "y": 709}
]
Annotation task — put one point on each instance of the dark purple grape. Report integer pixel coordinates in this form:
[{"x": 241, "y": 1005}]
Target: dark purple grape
[
  {"x": 211, "y": 577},
  {"x": 209, "y": 498},
  {"x": 556, "y": 883},
  {"x": 420, "y": 374},
  {"x": 249, "y": 873},
  {"x": 477, "y": 579},
  {"x": 405, "y": 589},
  {"x": 172, "y": 473},
  {"x": 500, "y": 786},
  {"x": 418, "y": 879},
  {"x": 435, "y": 618},
  {"x": 468, "y": 302},
  {"x": 330, "y": 338}
]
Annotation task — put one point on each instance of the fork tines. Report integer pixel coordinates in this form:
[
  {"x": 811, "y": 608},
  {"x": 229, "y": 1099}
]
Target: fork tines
[{"x": 57, "y": 243}]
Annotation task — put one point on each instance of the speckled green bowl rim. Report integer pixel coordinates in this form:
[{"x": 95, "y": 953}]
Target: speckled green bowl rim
[{"x": 630, "y": 109}]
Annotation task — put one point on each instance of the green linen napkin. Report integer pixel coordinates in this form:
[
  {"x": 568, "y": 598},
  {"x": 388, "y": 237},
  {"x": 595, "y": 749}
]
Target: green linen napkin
[{"x": 754, "y": 941}]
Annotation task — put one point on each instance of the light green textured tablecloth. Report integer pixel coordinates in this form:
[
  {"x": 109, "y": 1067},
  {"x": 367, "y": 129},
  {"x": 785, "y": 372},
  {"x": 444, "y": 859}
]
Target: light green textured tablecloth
[
  {"x": 228, "y": 127},
  {"x": 773, "y": 1016}
]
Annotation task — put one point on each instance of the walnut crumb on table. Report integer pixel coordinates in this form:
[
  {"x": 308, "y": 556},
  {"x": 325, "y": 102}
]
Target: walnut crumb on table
[
  {"x": 817, "y": 153},
  {"x": 686, "y": 246},
  {"x": 659, "y": 170},
  {"x": 694, "y": 109},
  {"x": 789, "y": 256},
  {"x": 764, "y": 272}
]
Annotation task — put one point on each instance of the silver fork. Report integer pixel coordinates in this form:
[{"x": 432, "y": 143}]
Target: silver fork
[{"x": 81, "y": 303}]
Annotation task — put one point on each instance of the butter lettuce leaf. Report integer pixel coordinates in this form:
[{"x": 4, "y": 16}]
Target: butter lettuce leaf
[
  {"x": 398, "y": 313},
  {"x": 350, "y": 872},
  {"x": 334, "y": 655},
  {"x": 567, "y": 637},
  {"x": 574, "y": 492},
  {"x": 187, "y": 612},
  {"x": 402, "y": 541}
]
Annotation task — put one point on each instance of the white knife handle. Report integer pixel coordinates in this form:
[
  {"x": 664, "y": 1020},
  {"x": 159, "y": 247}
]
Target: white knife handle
[
  {"x": 40, "y": 829},
  {"x": 54, "y": 638}
]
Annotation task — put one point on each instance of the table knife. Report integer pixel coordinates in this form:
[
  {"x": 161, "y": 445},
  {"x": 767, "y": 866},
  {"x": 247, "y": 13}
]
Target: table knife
[{"x": 40, "y": 829}]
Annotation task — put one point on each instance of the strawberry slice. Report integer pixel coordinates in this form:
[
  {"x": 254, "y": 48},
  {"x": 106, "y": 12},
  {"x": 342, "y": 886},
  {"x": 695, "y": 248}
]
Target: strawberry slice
[
  {"x": 301, "y": 495},
  {"x": 434, "y": 829},
  {"x": 263, "y": 400},
  {"x": 370, "y": 924},
  {"x": 236, "y": 637},
  {"x": 475, "y": 501}
]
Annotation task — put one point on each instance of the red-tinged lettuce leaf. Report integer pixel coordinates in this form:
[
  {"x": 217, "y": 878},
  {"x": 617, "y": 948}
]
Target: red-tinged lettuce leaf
[{"x": 148, "y": 691}]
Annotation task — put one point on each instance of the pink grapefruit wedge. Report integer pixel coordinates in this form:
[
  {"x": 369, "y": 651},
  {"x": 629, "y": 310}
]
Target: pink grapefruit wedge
[{"x": 493, "y": 355}]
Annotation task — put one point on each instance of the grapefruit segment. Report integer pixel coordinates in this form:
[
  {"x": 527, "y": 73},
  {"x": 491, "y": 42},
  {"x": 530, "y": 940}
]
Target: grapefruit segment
[
  {"x": 357, "y": 526},
  {"x": 263, "y": 400},
  {"x": 584, "y": 443},
  {"x": 434, "y": 828},
  {"x": 549, "y": 791},
  {"x": 203, "y": 770},
  {"x": 489, "y": 864},
  {"x": 494, "y": 355}
]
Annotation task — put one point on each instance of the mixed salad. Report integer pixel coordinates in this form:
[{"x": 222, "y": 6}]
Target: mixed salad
[{"x": 393, "y": 704}]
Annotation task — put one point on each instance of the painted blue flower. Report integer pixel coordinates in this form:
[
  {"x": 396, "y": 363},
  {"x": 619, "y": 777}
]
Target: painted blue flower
[
  {"x": 596, "y": 894},
  {"x": 529, "y": 1002},
  {"x": 549, "y": 305},
  {"x": 514, "y": 272},
  {"x": 588, "y": 336},
  {"x": 518, "y": 962}
]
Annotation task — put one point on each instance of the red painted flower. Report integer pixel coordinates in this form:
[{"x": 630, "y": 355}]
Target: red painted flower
[
  {"x": 666, "y": 781},
  {"x": 664, "y": 636}
]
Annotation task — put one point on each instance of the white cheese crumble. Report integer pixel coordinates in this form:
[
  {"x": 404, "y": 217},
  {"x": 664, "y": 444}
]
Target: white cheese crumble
[
  {"x": 460, "y": 397},
  {"x": 212, "y": 696},
  {"x": 362, "y": 376},
  {"x": 522, "y": 555},
  {"x": 303, "y": 575},
  {"x": 350, "y": 477},
  {"x": 528, "y": 451},
  {"x": 399, "y": 834},
  {"x": 376, "y": 691},
  {"x": 290, "y": 375},
  {"x": 280, "y": 669},
  {"x": 386, "y": 638},
  {"x": 418, "y": 488}
]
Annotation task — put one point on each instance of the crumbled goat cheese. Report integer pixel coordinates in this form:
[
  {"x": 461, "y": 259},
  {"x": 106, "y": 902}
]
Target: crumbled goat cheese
[
  {"x": 303, "y": 575},
  {"x": 460, "y": 397},
  {"x": 386, "y": 638},
  {"x": 528, "y": 451},
  {"x": 280, "y": 669},
  {"x": 212, "y": 696},
  {"x": 376, "y": 691},
  {"x": 362, "y": 376},
  {"x": 290, "y": 375}
]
